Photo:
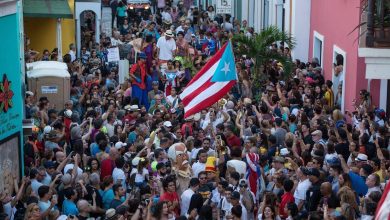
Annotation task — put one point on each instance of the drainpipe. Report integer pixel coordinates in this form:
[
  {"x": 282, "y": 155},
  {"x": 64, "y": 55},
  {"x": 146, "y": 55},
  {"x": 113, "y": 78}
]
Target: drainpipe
[
  {"x": 368, "y": 85},
  {"x": 59, "y": 38}
]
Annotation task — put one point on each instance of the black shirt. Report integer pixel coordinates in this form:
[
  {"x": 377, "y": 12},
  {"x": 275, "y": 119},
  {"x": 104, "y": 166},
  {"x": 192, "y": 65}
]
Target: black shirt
[
  {"x": 88, "y": 197},
  {"x": 313, "y": 196}
]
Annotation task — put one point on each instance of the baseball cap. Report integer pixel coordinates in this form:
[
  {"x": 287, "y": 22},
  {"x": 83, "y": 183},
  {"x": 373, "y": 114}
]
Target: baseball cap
[
  {"x": 235, "y": 195},
  {"x": 120, "y": 144},
  {"x": 49, "y": 164},
  {"x": 314, "y": 172},
  {"x": 284, "y": 152},
  {"x": 167, "y": 124},
  {"x": 362, "y": 157}
]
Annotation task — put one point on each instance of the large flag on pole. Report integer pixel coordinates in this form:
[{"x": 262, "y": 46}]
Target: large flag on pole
[
  {"x": 382, "y": 210},
  {"x": 211, "y": 83}
]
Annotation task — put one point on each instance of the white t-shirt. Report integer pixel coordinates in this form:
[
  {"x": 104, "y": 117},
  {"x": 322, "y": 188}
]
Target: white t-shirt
[
  {"x": 166, "y": 47},
  {"x": 72, "y": 55},
  {"x": 226, "y": 207},
  {"x": 119, "y": 175},
  {"x": 139, "y": 178},
  {"x": 9, "y": 210},
  {"x": 178, "y": 29},
  {"x": 300, "y": 192},
  {"x": 227, "y": 26},
  {"x": 110, "y": 129},
  {"x": 35, "y": 184},
  {"x": 185, "y": 201},
  {"x": 238, "y": 165},
  {"x": 70, "y": 166},
  {"x": 197, "y": 168},
  {"x": 214, "y": 123},
  {"x": 166, "y": 17},
  {"x": 171, "y": 99}
]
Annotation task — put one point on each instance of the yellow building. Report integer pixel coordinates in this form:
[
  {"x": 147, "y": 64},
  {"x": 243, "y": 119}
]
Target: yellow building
[{"x": 49, "y": 24}]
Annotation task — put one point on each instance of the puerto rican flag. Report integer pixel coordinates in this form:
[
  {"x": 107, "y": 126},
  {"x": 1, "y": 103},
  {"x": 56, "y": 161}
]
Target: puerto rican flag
[
  {"x": 383, "y": 211},
  {"x": 211, "y": 83}
]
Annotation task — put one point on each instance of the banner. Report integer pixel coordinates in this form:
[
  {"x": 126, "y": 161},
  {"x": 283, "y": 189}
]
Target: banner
[
  {"x": 224, "y": 7},
  {"x": 113, "y": 54}
]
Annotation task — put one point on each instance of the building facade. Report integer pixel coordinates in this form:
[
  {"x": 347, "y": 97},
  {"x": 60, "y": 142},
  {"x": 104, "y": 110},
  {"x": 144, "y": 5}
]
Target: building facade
[{"x": 11, "y": 93}]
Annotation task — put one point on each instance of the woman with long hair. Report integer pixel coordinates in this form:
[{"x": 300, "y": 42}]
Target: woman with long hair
[
  {"x": 93, "y": 165},
  {"x": 268, "y": 213},
  {"x": 32, "y": 212},
  {"x": 346, "y": 195},
  {"x": 246, "y": 86},
  {"x": 160, "y": 211}
]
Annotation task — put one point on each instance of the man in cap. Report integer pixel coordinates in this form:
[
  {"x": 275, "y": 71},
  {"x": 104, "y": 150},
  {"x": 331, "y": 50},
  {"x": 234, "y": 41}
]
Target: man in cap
[
  {"x": 317, "y": 137},
  {"x": 166, "y": 47},
  {"x": 313, "y": 194},
  {"x": 138, "y": 75},
  {"x": 248, "y": 199}
]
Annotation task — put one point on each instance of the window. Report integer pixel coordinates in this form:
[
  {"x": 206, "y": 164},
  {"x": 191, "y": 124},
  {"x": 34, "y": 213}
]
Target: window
[
  {"x": 338, "y": 76},
  {"x": 318, "y": 47}
]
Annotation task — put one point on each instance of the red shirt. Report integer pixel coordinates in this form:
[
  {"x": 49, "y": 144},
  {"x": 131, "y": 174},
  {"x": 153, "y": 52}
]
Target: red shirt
[
  {"x": 183, "y": 130},
  {"x": 67, "y": 123},
  {"x": 287, "y": 197},
  {"x": 107, "y": 166},
  {"x": 171, "y": 197},
  {"x": 233, "y": 141}
]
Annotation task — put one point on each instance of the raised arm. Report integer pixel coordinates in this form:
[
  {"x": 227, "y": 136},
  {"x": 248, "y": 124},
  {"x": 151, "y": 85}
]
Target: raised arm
[{"x": 344, "y": 165}]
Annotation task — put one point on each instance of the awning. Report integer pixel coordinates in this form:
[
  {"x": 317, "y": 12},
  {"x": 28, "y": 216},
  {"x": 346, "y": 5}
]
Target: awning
[{"x": 46, "y": 9}]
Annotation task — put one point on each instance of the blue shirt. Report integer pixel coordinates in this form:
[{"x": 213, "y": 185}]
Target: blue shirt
[
  {"x": 358, "y": 184},
  {"x": 95, "y": 149},
  {"x": 107, "y": 197},
  {"x": 132, "y": 137},
  {"x": 121, "y": 11},
  {"x": 69, "y": 208}
]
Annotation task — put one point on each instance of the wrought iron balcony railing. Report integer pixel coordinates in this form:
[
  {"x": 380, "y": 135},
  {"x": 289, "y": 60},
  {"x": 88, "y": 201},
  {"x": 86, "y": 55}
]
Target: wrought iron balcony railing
[{"x": 378, "y": 23}]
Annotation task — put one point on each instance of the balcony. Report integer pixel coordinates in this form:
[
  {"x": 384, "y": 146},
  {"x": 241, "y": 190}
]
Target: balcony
[
  {"x": 374, "y": 42},
  {"x": 375, "y": 22}
]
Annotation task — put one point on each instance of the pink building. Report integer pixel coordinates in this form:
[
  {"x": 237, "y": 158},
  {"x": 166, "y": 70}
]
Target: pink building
[{"x": 331, "y": 24}]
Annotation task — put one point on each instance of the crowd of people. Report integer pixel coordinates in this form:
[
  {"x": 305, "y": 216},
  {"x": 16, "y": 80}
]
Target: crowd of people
[{"x": 126, "y": 151}]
